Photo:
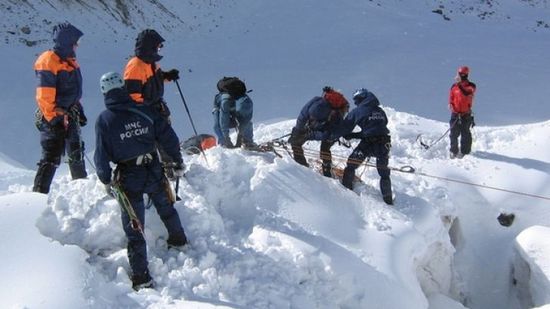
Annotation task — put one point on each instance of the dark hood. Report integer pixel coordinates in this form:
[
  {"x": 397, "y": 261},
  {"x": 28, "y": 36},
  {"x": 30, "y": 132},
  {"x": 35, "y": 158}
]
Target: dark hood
[
  {"x": 118, "y": 99},
  {"x": 65, "y": 37},
  {"x": 370, "y": 100},
  {"x": 147, "y": 44}
]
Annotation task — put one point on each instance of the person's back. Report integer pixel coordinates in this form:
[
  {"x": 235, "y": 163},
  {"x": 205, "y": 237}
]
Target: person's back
[
  {"x": 126, "y": 135},
  {"x": 233, "y": 108},
  {"x": 316, "y": 120},
  {"x": 375, "y": 140},
  {"x": 368, "y": 115},
  {"x": 314, "y": 115},
  {"x": 461, "y": 102}
]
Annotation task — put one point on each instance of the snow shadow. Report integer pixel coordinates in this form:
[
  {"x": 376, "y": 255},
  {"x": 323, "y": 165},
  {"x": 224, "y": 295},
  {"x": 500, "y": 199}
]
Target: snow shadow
[{"x": 523, "y": 162}]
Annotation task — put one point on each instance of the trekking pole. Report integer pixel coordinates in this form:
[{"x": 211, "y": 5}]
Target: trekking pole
[{"x": 190, "y": 118}]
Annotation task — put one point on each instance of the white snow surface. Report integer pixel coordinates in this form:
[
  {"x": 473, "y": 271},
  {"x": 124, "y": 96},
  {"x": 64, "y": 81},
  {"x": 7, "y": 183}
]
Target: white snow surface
[
  {"x": 268, "y": 233},
  {"x": 531, "y": 265},
  {"x": 264, "y": 231}
]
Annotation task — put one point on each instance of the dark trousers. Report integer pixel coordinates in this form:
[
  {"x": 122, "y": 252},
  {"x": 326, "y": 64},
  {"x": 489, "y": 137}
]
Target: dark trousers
[
  {"x": 55, "y": 140},
  {"x": 460, "y": 127},
  {"x": 298, "y": 139},
  {"x": 136, "y": 181},
  {"x": 380, "y": 150}
]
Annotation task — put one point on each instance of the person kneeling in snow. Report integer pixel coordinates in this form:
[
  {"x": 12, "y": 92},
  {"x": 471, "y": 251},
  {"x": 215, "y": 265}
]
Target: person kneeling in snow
[
  {"x": 375, "y": 140},
  {"x": 316, "y": 121},
  {"x": 233, "y": 108},
  {"x": 126, "y": 134}
]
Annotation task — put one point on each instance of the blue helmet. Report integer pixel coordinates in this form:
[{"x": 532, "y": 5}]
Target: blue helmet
[{"x": 359, "y": 95}]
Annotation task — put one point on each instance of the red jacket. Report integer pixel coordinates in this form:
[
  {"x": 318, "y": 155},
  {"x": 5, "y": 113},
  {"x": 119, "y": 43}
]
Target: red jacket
[{"x": 461, "y": 97}]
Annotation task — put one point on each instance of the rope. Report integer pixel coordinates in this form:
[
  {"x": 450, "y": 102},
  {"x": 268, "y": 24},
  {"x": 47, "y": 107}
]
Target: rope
[
  {"x": 419, "y": 136},
  {"x": 411, "y": 170}
]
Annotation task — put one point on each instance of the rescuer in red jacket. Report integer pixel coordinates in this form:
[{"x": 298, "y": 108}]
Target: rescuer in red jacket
[{"x": 460, "y": 103}]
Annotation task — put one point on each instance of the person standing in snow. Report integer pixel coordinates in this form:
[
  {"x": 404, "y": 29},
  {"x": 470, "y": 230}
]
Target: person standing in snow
[
  {"x": 127, "y": 134},
  {"x": 144, "y": 79},
  {"x": 316, "y": 121},
  {"x": 60, "y": 114},
  {"x": 375, "y": 140},
  {"x": 460, "y": 103},
  {"x": 233, "y": 108}
]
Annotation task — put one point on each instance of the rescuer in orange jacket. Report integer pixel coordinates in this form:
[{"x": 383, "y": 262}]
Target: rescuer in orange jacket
[
  {"x": 144, "y": 79},
  {"x": 460, "y": 103},
  {"x": 60, "y": 114}
]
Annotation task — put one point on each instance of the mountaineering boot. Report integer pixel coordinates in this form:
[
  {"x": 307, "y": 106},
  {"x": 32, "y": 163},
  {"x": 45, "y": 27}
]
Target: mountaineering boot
[
  {"x": 452, "y": 155},
  {"x": 347, "y": 177},
  {"x": 176, "y": 242},
  {"x": 77, "y": 169},
  {"x": 142, "y": 281},
  {"x": 385, "y": 188},
  {"x": 76, "y": 161},
  {"x": 460, "y": 155},
  {"x": 327, "y": 169},
  {"x": 44, "y": 176}
]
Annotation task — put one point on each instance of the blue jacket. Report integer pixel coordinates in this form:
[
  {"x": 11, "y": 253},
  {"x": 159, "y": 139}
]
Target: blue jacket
[
  {"x": 242, "y": 109},
  {"x": 368, "y": 115},
  {"x": 126, "y": 130},
  {"x": 318, "y": 117}
]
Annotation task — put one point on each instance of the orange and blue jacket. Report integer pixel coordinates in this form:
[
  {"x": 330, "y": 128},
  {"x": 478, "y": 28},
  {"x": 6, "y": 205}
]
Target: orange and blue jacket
[
  {"x": 59, "y": 83},
  {"x": 461, "y": 97},
  {"x": 144, "y": 81}
]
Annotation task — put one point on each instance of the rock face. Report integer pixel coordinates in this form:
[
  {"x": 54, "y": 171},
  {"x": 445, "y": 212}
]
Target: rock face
[{"x": 29, "y": 22}]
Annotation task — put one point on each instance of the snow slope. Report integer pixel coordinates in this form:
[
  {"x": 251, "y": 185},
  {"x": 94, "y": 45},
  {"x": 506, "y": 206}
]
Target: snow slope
[
  {"x": 287, "y": 51},
  {"x": 267, "y": 233}
]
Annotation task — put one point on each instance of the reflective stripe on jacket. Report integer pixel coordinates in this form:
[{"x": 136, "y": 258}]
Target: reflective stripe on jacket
[
  {"x": 143, "y": 84},
  {"x": 59, "y": 83}
]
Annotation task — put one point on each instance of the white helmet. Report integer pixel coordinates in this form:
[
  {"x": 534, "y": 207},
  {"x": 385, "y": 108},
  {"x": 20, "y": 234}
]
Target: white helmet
[{"x": 110, "y": 81}]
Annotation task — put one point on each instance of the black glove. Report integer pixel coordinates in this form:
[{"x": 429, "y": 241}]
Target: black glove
[
  {"x": 172, "y": 75},
  {"x": 179, "y": 169},
  {"x": 473, "y": 124}
]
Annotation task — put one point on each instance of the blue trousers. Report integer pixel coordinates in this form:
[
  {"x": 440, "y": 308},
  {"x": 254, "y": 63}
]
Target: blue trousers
[
  {"x": 150, "y": 180},
  {"x": 379, "y": 150}
]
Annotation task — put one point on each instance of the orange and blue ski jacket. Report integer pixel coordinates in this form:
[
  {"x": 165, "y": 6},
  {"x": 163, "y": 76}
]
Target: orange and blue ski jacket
[
  {"x": 58, "y": 73},
  {"x": 142, "y": 76}
]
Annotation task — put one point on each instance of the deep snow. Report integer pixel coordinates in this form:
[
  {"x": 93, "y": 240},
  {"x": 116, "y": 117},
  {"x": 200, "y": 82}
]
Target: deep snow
[{"x": 267, "y": 233}]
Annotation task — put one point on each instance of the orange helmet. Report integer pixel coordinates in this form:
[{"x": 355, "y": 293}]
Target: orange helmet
[
  {"x": 335, "y": 98},
  {"x": 464, "y": 70}
]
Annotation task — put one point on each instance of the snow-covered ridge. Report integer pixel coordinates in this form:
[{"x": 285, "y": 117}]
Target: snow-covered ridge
[
  {"x": 28, "y": 22},
  {"x": 268, "y": 233}
]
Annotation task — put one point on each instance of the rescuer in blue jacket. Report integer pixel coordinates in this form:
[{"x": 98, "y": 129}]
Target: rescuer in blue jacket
[
  {"x": 126, "y": 134},
  {"x": 374, "y": 136}
]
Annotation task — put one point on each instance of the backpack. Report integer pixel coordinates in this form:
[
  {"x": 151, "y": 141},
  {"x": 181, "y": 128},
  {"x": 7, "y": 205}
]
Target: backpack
[{"x": 233, "y": 86}]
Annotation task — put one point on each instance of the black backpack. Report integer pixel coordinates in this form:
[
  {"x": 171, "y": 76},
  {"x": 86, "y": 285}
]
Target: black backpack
[{"x": 233, "y": 86}]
